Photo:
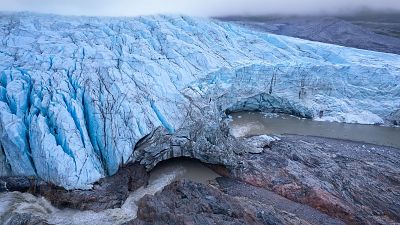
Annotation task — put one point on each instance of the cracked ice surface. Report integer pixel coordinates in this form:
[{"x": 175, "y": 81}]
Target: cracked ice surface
[{"x": 77, "y": 93}]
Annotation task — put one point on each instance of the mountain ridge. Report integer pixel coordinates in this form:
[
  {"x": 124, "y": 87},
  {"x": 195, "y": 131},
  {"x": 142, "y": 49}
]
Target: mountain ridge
[{"x": 356, "y": 31}]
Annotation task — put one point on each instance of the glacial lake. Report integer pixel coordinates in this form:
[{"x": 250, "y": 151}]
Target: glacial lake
[{"x": 245, "y": 124}]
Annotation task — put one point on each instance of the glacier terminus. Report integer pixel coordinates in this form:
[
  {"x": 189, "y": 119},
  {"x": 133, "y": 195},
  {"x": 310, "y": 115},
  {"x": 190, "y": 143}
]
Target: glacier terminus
[{"x": 78, "y": 95}]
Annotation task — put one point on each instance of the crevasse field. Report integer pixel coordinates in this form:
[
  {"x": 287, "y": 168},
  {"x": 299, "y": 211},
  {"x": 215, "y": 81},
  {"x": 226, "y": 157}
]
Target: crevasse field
[{"x": 78, "y": 93}]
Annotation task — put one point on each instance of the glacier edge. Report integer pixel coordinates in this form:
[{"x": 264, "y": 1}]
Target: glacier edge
[{"x": 77, "y": 94}]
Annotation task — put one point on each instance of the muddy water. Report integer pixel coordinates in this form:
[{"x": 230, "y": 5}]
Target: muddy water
[
  {"x": 162, "y": 175},
  {"x": 187, "y": 169},
  {"x": 254, "y": 123}
]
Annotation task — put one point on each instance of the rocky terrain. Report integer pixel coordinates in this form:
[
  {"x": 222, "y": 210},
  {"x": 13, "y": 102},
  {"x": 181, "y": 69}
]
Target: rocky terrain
[
  {"x": 378, "y": 32},
  {"x": 229, "y": 202},
  {"x": 357, "y": 183},
  {"x": 107, "y": 193},
  {"x": 385, "y": 23},
  {"x": 294, "y": 180},
  {"x": 346, "y": 182}
]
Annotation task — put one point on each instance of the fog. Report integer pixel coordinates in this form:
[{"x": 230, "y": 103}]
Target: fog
[{"x": 196, "y": 7}]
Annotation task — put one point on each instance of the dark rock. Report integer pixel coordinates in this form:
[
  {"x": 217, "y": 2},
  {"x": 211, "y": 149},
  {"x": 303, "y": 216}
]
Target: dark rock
[
  {"x": 250, "y": 193},
  {"x": 109, "y": 192},
  {"x": 355, "y": 182},
  {"x": 350, "y": 32},
  {"x": 25, "y": 219},
  {"x": 19, "y": 183},
  {"x": 321, "y": 181},
  {"x": 186, "y": 202}
]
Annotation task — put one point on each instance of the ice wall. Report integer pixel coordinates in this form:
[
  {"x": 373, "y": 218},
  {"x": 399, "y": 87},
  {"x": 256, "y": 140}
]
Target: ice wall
[{"x": 77, "y": 93}]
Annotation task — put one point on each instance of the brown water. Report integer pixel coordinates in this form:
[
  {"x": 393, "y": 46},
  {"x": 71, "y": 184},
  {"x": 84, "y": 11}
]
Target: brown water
[
  {"x": 255, "y": 123},
  {"x": 184, "y": 168},
  {"x": 242, "y": 124},
  {"x": 163, "y": 174}
]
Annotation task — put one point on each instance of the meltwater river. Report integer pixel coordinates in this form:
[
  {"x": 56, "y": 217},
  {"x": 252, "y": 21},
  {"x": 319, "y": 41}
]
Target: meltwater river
[
  {"x": 163, "y": 174},
  {"x": 242, "y": 124},
  {"x": 256, "y": 123}
]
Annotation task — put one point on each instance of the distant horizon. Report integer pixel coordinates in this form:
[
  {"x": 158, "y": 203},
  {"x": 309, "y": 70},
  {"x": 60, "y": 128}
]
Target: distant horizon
[
  {"x": 204, "y": 8},
  {"x": 364, "y": 12}
]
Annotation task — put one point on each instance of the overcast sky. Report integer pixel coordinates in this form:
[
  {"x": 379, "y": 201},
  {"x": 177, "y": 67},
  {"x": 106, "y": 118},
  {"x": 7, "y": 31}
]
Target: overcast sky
[{"x": 194, "y": 7}]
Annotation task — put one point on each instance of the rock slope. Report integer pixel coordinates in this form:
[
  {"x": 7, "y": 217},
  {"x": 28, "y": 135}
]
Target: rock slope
[
  {"x": 295, "y": 180},
  {"x": 78, "y": 93},
  {"x": 354, "y": 182},
  {"x": 357, "y": 32},
  {"x": 186, "y": 202}
]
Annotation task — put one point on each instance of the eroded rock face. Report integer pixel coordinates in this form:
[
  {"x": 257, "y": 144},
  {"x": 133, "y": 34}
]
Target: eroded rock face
[
  {"x": 25, "y": 219},
  {"x": 358, "y": 183},
  {"x": 185, "y": 202},
  {"x": 19, "y": 183},
  {"x": 295, "y": 180},
  {"x": 353, "y": 31},
  {"x": 107, "y": 193},
  {"x": 251, "y": 194}
]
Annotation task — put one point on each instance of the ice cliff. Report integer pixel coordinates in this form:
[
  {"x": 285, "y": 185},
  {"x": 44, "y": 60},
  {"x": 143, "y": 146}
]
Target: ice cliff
[{"x": 78, "y": 93}]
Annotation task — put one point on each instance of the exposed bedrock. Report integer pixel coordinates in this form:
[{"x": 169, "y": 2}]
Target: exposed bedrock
[
  {"x": 185, "y": 202},
  {"x": 354, "y": 31},
  {"x": 25, "y": 219},
  {"x": 246, "y": 192},
  {"x": 355, "y": 182},
  {"x": 286, "y": 180},
  {"x": 77, "y": 94},
  {"x": 107, "y": 193},
  {"x": 19, "y": 183}
]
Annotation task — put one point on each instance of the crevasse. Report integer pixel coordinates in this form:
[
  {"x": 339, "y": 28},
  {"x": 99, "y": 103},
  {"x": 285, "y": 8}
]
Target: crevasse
[{"x": 77, "y": 93}]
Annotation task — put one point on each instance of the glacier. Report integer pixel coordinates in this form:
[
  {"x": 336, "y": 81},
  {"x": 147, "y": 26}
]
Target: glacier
[{"x": 77, "y": 94}]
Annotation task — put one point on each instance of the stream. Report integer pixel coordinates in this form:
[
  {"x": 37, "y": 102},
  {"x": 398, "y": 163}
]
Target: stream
[
  {"x": 242, "y": 124},
  {"x": 163, "y": 174}
]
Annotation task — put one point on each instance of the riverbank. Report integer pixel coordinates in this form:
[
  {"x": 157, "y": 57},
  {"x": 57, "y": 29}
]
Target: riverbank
[
  {"x": 298, "y": 179},
  {"x": 355, "y": 182},
  {"x": 247, "y": 124}
]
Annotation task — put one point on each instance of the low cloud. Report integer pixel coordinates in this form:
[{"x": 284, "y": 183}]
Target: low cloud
[{"x": 196, "y": 7}]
